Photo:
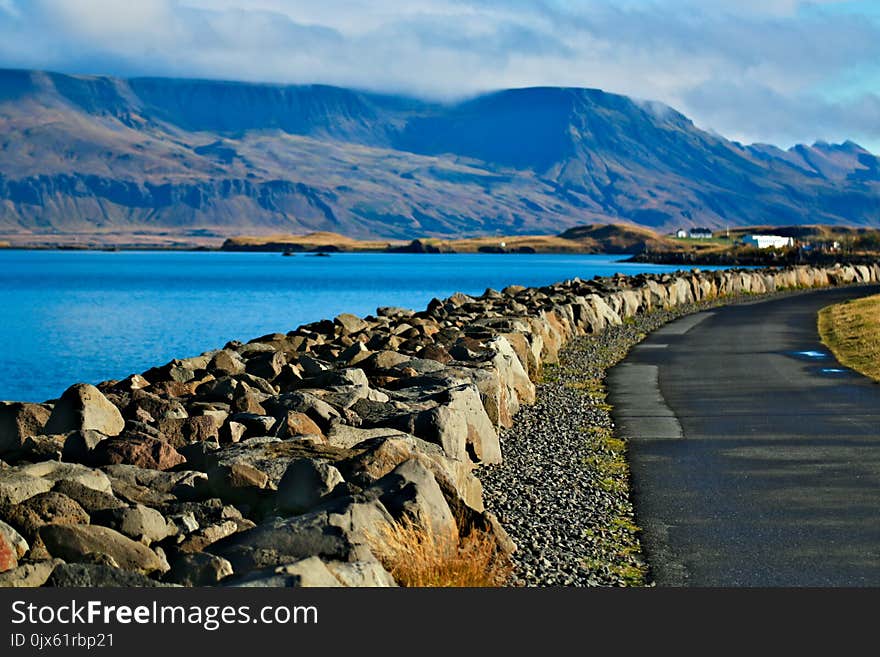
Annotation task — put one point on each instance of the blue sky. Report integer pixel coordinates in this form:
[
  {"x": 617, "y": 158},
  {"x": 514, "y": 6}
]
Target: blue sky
[{"x": 778, "y": 71}]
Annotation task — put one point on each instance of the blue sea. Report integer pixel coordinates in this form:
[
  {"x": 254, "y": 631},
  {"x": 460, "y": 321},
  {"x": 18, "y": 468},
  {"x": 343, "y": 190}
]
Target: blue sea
[{"x": 88, "y": 316}]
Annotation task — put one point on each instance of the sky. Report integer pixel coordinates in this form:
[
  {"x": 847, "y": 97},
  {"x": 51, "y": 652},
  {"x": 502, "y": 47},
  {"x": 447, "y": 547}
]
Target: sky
[{"x": 774, "y": 71}]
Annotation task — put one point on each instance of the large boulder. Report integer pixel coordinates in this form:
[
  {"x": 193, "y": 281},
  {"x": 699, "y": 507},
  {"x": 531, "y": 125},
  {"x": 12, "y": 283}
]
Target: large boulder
[
  {"x": 309, "y": 572},
  {"x": 137, "y": 450},
  {"x": 411, "y": 490},
  {"x": 45, "y": 508},
  {"x": 28, "y": 575},
  {"x": 337, "y": 532},
  {"x": 74, "y": 543},
  {"x": 89, "y": 575},
  {"x": 82, "y": 407},
  {"x": 19, "y": 421},
  {"x": 304, "y": 483},
  {"x": 198, "y": 569},
  {"x": 137, "y": 521},
  {"x": 17, "y": 486}
]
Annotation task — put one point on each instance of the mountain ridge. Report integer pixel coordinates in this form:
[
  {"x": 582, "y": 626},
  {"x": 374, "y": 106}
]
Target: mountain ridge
[{"x": 100, "y": 153}]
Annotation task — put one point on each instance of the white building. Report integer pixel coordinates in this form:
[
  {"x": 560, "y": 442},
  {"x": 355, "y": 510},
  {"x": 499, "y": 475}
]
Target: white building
[
  {"x": 768, "y": 241},
  {"x": 681, "y": 233}
]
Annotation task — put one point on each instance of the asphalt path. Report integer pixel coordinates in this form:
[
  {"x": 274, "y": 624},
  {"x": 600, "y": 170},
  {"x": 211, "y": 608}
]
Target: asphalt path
[{"x": 755, "y": 455}]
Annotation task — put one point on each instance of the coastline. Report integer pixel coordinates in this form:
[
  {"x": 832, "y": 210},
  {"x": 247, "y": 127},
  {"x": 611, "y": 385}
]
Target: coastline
[{"x": 246, "y": 459}]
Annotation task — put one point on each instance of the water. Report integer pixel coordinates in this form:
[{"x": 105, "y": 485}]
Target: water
[{"x": 88, "y": 316}]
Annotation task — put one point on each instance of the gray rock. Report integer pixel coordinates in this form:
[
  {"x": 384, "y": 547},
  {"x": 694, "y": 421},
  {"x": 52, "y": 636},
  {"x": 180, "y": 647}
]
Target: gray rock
[
  {"x": 73, "y": 542},
  {"x": 17, "y": 486},
  {"x": 28, "y": 575},
  {"x": 54, "y": 471},
  {"x": 411, "y": 490},
  {"x": 198, "y": 569},
  {"x": 83, "y": 407},
  {"x": 80, "y": 575},
  {"x": 138, "y": 522},
  {"x": 310, "y": 572},
  {"x": 335, "y": 533},
  {"x": 79, "y": 445},
  {"x": 304, "y": 483},
  {"x": 349, "y": 324},
  {"x": 361, "y": 574}
]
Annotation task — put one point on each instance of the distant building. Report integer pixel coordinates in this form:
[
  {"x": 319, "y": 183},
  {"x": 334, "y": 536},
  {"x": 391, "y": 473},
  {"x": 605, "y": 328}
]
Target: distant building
[
  {"x": 700, "y": 234},
  {"x": 681, "y": 233},
  {"x": 768, "y": 241}
]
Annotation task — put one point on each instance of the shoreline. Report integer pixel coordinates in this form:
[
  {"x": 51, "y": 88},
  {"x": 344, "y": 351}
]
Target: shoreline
[{"x": 229, "y": 468}]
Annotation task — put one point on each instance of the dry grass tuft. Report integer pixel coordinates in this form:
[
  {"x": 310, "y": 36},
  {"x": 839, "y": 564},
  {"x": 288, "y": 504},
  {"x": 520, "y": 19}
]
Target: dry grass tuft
[
  {"x": 418, "y": 557},
  {"x": 852, "y": 331}
]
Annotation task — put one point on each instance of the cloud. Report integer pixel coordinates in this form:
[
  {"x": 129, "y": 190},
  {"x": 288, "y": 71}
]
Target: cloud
[{"x": 760, "y": 70}]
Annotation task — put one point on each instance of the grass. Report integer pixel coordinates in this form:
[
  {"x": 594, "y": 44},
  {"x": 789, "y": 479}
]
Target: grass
[
  {"x": 418, "y": 557},
  {"x": 852, "y": 331}
]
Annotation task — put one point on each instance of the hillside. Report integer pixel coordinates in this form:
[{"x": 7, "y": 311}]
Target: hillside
[
  {"x": 99, "y": 155},
  {"x": 596, "y": 238}
]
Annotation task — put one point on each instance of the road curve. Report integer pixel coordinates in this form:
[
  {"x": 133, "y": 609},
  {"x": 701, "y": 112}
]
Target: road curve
[{"x": 755, "y": 455}]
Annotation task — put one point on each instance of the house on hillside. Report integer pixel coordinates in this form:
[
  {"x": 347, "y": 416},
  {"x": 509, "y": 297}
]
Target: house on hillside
[
  {"x": 700, "y": 234},
  {"x": 768, "y": 241},
  {"x": 681, "y": 233}
]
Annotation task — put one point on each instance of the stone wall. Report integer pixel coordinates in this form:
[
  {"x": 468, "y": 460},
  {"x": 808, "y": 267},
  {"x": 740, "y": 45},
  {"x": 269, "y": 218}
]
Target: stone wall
[{"x": 271, "y": 463}]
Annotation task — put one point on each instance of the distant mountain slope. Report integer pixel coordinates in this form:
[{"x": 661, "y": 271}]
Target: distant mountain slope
[{"x": 96, "y": 153}]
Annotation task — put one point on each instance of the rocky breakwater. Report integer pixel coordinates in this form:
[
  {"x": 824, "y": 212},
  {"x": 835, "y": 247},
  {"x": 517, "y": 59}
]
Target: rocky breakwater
[{"x": 278, "y": 462}]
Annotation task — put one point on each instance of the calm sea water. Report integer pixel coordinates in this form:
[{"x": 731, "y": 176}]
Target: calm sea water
[{"x": 88, "y": 316}]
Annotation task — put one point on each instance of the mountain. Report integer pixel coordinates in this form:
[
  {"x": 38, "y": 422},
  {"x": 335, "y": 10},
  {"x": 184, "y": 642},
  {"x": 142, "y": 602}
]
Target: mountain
[{"x": 93, "y": 154}]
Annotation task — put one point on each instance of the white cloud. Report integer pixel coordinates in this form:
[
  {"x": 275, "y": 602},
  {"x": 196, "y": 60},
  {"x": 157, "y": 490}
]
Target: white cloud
[{"x": 756, "y": 69}]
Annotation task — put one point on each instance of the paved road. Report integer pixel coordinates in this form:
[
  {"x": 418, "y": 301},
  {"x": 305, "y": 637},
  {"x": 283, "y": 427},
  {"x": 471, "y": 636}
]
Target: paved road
[{"x": 755, "y": 454}]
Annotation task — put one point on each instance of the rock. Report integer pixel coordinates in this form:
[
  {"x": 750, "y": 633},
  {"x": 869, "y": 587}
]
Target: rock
[
  {"x": 89, "y": 499},
  {"x": 18, "y": 421},
  {"x": 17, "y": 486},
  {"x": 361, "y": 574},
  {"x": 79, "y": 445},
  {"x": 28, "y": 575},
  {"x": 55, "y": 507},
  {"x": 266, "y": 365},
  {"x": 255, "y": 425},
  {"x": 411, "y": 490},
  {"x": 344, "y": 436},
  {"x": 181, "y": 524},
  {"x": 303, "y": 485},
  {"x": 201, "y": 539},
  {"x": 322, "y": 413},
  {"x": 199, "y": 569},
  {"x": 141, "y": 451},
  {"x": 8, "y": 558},
  {"x": 308, "y": 572},
  {"x": 19, "y": 546},
  {"x": 83, "y": 407},
  {"x": 73, "y": 542},
  {"x": 80, "y": 575},
  {"x": 43, "y": 448},
  {"x": 348, "y": 324},
  {"x": 178, "y": 432},
  {"x": 226, "y": 362},
  {"x": 335, "y": 533},
  {"x": 54, "y": 471},
  {"x": 298, "y": 424},
  {"x": 232, "y": 432},
  {"x": 384, "y": 361},
  {"x": 138, "y": 522}
]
